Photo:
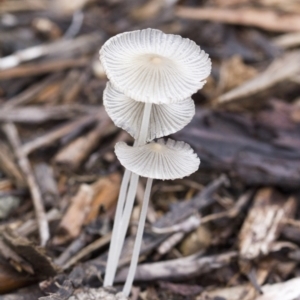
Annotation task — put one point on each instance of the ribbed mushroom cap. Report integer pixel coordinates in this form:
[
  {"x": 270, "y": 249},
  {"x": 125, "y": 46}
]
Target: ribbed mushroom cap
[
  {"x": 165, "y": 119},
  {"x": 161, "y": 160},
  {"x": 151, "y": 66}
]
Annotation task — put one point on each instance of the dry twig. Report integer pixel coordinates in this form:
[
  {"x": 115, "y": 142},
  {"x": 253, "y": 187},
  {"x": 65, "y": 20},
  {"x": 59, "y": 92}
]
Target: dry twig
[
  {"x": 8, "y": 166},
  {"x": 56, "y": 47},
  {"x": 38, "y": 114},
  {"x": 288, "y": 40},
  {"x": 43, "y": 68},
  {"x": 24, "y": 5},
  {"x": 96, "y": 245},
  {"x": 13, "y": 137},
  {"x": 29, "y": 94},
  {"x": 179, "y": 268},
  {"x": 267, "y": 20},
  {"x": 53, "y": 135}
]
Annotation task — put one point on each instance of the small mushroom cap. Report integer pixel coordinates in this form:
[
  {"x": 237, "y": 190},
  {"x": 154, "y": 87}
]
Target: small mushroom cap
[
  {"x": 161, "y": 160},
  {"x": 165, "y": 119},
  {"x": 151, "y": 66}
]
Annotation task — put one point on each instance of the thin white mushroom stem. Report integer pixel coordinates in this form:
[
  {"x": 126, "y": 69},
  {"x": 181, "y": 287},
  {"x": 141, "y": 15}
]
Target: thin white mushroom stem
[
  {"x": 124, "y": 223},
  {"x": 124, "y": 207},
  {"x": 108, "y": 280},
  {"x": 138, "y": 240},
  {"x": 145, "y": 124}
]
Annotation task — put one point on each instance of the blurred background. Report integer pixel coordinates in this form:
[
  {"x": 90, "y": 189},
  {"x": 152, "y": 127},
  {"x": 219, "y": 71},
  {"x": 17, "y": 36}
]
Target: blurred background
[{"x": 59, "y": 177}]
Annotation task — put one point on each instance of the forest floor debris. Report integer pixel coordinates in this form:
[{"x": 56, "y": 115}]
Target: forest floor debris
[{"x": 231, "y": 231}]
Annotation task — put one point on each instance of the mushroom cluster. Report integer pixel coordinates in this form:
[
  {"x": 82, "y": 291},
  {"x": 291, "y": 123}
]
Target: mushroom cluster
[{"x": 152, "y": 76}]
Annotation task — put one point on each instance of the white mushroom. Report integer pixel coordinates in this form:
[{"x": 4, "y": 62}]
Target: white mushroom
[
  {"x": 151, "y": 66},
  {"x": 152, "y": 77},
  {"x": 165, "y": 119},
  {"x": 161, "y": 160}
]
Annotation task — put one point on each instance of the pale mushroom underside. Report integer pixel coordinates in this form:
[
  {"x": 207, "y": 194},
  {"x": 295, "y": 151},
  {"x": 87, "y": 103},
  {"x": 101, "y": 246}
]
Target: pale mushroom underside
[
  {"x": 165, "y": 119},
  {"x": 161, "y": 160},
  {"x": 151, "y": 66}
]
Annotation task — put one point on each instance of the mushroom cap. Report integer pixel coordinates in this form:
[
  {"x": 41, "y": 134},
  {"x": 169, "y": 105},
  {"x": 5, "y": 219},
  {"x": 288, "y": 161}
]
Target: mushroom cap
[
  {"x": 162, "y": 160},
  {"x": 151, "y": 66},
  {"x": 164, "y": 119}
]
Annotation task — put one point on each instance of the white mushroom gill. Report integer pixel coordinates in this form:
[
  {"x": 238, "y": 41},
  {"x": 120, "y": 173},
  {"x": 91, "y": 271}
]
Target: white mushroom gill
[
  {"x": 165, "y": 119},
  {"x": 151, "y": 66},
  {"x": 152, "y": 77},
  {"x": 162, "y": 160}
]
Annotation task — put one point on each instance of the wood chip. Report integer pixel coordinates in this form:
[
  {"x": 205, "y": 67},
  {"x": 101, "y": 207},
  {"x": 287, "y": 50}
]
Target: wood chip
[
  {"x": 74, "y": 154},
  {"x": 281, "y": 69},
  {"x": 234, "y": 72},
  {"x": 33, "y": 259},
  {"x": 106, "y": 191},
  {"x": 73, "y": 220},
  {"x": 263, "y": 223},
  {"x": 10, "y": 279},
  {"x": 288, "y": 290},
  {"x": 85, "y": 206}
]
